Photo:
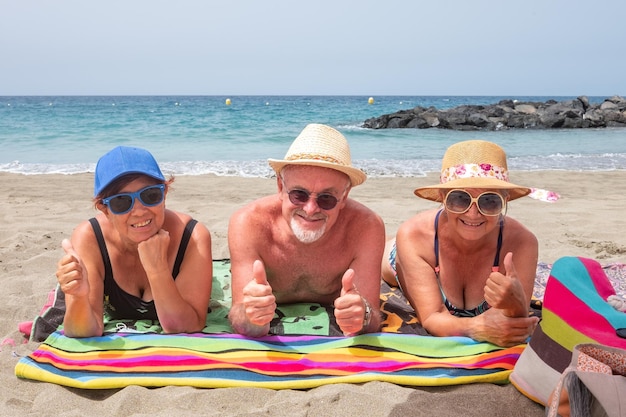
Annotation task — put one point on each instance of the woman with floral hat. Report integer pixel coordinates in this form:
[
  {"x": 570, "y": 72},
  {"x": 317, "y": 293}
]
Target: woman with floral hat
[{"x": 467, "y": 268}]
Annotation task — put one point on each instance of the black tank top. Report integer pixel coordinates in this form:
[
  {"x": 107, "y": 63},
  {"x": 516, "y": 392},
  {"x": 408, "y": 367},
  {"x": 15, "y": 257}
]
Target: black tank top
[{"x": 118, "y": 304}]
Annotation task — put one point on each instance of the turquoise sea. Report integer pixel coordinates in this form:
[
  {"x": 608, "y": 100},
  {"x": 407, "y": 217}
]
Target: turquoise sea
[{"x": 202, "y": 134}]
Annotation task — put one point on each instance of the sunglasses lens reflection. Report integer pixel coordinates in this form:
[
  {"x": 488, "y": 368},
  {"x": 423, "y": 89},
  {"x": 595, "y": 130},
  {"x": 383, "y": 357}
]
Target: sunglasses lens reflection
[
  {"x": 298, "y": 197},
  {"x": 324, "y": 201},
  {"x": 151, "y": 196},
  {"x": 489, "y": 203},
  {"x": 458, "y": 201},
  {"x": 122, "y": 203}
]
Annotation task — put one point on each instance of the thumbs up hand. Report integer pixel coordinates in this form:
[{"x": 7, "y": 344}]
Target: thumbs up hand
[
  {"x": 71, "y": 272},
  {"x": 350, "y": 307},
  {"x": 506, "y": 291},
  {"x": 258, "y": 300}
]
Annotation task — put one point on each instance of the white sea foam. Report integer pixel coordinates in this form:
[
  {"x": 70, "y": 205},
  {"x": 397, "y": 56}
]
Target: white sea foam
[{"x": 375, "y": 168}]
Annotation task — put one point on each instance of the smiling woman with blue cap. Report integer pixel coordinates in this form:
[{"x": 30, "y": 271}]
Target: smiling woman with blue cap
[{"x": 135, "y": 259}]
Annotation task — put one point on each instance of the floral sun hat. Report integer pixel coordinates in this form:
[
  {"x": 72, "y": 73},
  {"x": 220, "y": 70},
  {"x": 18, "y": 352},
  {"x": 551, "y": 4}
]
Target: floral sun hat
[{"x": 479, "y": 164}]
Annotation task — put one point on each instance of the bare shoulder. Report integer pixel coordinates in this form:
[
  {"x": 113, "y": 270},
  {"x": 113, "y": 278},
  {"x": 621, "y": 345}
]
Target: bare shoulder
[
  {"x": 177, "y": 217},
  {"x": 359, "y": 217},
  {"x": 84, "y": 239},
  {"x": 261, "y": 216},
  {"x": 199, "y": 231},
  {"x": 422, "y": 223},
  {"x": 176, "y": 221},
  {"x": 516, "y": 229},
  {"x": 257, "y": 211},
  {"x": 360, "y": 212},
  {"x": 83, "y": 234}
]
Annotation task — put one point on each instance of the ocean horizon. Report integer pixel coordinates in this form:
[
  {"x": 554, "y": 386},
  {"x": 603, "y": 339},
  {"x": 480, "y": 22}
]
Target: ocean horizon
[{"x": 192, "y": 135}]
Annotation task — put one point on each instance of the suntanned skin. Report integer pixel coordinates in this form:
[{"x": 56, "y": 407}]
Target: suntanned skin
[
  {"x": 271, "y": 266},
  {"x": 467, "y": 245},
  {"x": 142, "y": 246}
]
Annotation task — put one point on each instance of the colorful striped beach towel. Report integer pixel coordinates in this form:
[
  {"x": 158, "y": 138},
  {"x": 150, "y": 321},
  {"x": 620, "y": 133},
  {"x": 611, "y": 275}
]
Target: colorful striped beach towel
[
  {"x": 277, "y": 362},
  {"x": 305, "y": 350},
  {"x": 575, "y": 311}
]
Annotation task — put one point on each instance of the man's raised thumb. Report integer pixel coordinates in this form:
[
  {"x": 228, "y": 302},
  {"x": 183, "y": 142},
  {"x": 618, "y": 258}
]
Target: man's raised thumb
[
  {"x": 347, "y": 282},
  {"x": 258, "y": 273}
]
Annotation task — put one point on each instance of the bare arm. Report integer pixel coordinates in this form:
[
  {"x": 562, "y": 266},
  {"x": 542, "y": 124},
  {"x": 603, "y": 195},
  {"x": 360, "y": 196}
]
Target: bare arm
[
  {"x": 254, "y": 314},
  {"x": 415, "y": 263},
  {"x": 253, "y": 303},
  {"x": 181, "y": 304},
  {"x": 361, "y": 288},
  {"x": 81, "y": 280}
]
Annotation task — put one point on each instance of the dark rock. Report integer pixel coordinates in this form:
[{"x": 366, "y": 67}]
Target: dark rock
[{"x": 510, "y": 114}]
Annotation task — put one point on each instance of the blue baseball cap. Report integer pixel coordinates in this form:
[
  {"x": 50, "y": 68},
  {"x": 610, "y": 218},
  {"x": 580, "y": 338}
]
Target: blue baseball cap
[{"x": 124, "y": 160}]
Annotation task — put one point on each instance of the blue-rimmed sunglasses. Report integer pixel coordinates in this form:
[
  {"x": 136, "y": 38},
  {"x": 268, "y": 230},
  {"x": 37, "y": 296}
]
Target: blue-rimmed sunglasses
[{"x": 124, "y": 202}]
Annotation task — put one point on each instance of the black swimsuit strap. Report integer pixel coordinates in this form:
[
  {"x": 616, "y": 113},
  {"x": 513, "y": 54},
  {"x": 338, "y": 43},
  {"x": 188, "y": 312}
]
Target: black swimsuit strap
[
  {"x": 496, "y": 261},
  {"x": 437, "y": 239},
  {"x": 184, "y": 241},
  {"x": 108, "y": 271}
]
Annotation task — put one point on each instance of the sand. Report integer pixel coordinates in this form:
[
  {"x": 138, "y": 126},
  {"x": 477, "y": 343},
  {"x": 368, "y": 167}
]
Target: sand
[{"x": 37, "y": 211}]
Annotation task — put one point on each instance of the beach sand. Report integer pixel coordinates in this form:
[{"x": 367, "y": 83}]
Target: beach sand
[{"x": 38, "y": 211}]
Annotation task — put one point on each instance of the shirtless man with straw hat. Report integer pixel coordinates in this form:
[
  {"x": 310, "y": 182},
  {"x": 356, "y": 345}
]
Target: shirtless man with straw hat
[{"x": 309, "y": 243}]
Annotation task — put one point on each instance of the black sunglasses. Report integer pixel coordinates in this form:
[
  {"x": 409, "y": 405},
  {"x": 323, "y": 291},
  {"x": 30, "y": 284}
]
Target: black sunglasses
[
  {"x": 488, "y": 203},
  {"x": 124, "y": 202},
  {"x": 325, "y": 201}
]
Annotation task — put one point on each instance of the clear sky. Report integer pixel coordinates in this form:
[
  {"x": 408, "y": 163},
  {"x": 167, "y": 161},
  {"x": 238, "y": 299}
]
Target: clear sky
[{"x": 318, "y": 47}]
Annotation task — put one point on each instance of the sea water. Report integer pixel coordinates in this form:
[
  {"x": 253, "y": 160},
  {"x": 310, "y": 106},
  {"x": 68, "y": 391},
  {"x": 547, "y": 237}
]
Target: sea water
[{"x": 236, "y": 135}]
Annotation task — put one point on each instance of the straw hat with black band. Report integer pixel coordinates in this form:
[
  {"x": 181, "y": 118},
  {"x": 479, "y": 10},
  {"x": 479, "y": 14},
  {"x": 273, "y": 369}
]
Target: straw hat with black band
[
  {"x": 323, "y": 146},
  {"x": 473, "y": 164}
]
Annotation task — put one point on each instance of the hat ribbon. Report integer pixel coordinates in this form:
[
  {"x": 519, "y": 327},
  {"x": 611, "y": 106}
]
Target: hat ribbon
[
  {"x": 315, "y": 157},
  {"x": 543, "y": 195},
  {"x": 495, "y": 172},
  {"x": 474, "y": 171}
]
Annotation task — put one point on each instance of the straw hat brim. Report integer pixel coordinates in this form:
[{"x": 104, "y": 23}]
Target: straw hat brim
[
  {"x": 356, "y": 175},
  {"x": 432, "y": 192}
]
